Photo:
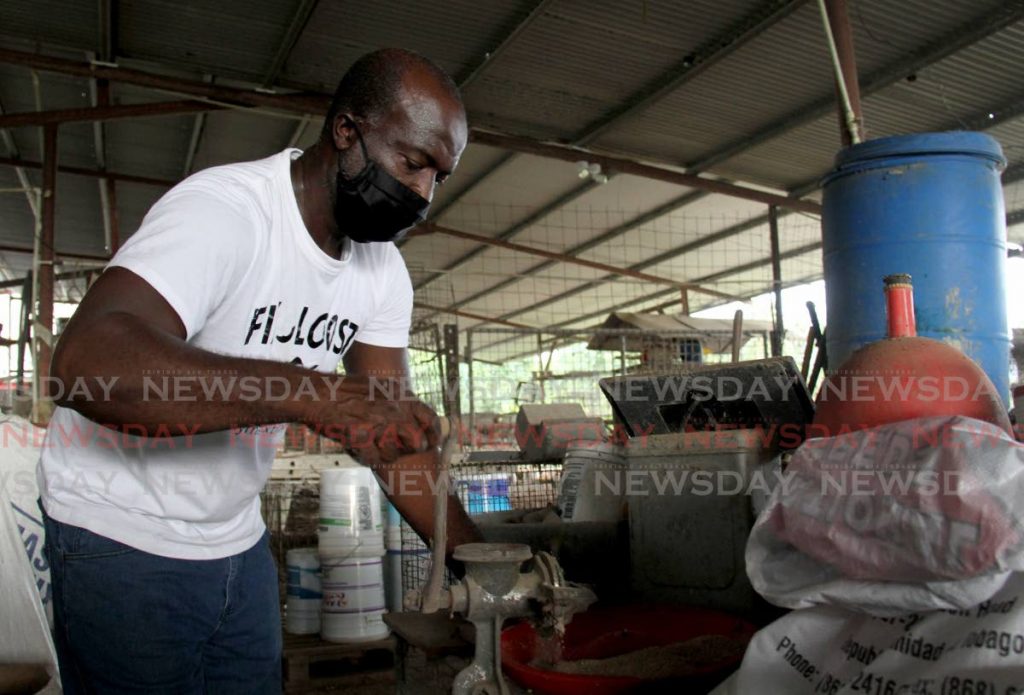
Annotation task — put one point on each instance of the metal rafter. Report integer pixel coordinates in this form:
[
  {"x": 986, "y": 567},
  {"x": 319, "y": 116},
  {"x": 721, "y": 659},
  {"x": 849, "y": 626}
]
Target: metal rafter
[
  {"x": 85, "y": 171},
  {"x": 616, "y": 231},
  {"x": 963, "y": 36},
  {"x": 468, "y": 315},
  {"x": 711, "y": 277},
  {"x": 491, "y": 56},
  {"x": 625, "y": 165},
  {"x": 300, "y": 103},
  {"x": 1002, "y": 114},
  {"x": 307, "y": 103},
  {"x": 291, "y": 37},
  {"x": 1011, "y": 175},
  {"x": 104, "y": 113},
  {"x": 529, "y": 221},
  {"x": 706, "y": 55},
  {"x": 692, "y": 65},
  {"x": 471, "y": 77},
  {"x": 564, "y": 258},
  {"x": 70, "y": 255},
  {"x": 638, "y": 267},
  {"x": 689, "y": 67},
  {"x": 438, "y": 213}
]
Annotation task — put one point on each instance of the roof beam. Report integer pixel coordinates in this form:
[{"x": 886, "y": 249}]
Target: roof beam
[
  {"x": 298, "y": 103},
  {"x": 104, "y": 113},
  {"x": 316, "y": 103},
  {"x": 616, "y": 231},
  {"x": 563, "y": 258},
  {"x": 491, "y": 56},
  {"x": 1015, "y": 217},
  {"x": 505, "y": 159},
  {"x": 712, "y": 277},
  {"x": 956, "y": 40},
  {"x": 720, "y": 235},
  {"x": 94, "y": 173},
  {"x": 59, "y": 277},
  {"x": 70, "y": 255},
  {"x": 291, "y": 37},
  {"x": 529, "y": 221},
  {"x": 624, "y": 165},
  {"x": 468, "y": 315},
  {"x": 1012, "y": 174},
  {"x": 690, "y": 66},
  {"x": 963, "y": 36}
]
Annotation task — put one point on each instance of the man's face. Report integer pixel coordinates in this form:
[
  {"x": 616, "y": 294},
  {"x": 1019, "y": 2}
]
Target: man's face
[{"x": 419, "y": 141}]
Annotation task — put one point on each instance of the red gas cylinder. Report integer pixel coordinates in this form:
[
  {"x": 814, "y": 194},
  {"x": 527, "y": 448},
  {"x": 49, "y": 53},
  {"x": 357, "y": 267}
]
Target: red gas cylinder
[{"x": 904, "y": 377}]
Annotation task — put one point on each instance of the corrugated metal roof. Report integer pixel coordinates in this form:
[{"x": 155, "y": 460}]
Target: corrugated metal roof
[
  {"x": 225, "y": 38},
  {"x": 575, "y": 63}
]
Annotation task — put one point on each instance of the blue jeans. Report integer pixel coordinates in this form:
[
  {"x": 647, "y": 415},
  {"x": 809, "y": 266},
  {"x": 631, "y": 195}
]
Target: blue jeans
[{"x": 126, "y": 621}]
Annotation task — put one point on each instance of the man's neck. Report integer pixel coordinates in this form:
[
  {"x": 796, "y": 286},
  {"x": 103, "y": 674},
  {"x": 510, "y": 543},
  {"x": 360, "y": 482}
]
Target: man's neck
[{"x": 311, "y": 175}]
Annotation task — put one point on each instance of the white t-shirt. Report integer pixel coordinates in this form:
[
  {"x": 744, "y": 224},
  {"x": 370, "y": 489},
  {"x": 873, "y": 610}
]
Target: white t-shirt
[{"x": 228, "y": 250}]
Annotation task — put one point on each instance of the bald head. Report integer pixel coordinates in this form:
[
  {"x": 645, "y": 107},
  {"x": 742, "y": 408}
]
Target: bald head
[{"x": 377, "y": 82}]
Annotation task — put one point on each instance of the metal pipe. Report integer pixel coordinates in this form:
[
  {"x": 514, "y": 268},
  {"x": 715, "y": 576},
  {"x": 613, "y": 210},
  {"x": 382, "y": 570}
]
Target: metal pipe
[
  {"x": 773, "y": 232},
  {"x": 44, "y": 317},
  {"x": 839, "y": 37}
]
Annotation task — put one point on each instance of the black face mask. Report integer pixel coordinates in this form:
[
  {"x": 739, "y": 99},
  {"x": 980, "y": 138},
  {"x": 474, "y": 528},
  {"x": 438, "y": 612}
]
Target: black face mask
[{"x": 374, "y": 205}]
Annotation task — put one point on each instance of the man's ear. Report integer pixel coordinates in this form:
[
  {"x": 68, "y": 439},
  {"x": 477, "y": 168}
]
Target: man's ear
[{"x": 343, "y": 133}]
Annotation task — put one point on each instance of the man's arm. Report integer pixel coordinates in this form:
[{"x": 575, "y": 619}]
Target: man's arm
[
  {"x": 124, "y": 330},
  {"x": 409, "y": 480}
]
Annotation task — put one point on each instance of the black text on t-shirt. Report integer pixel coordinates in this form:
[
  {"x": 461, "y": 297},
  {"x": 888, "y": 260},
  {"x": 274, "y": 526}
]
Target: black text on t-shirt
[{"x": 326, "y": 330}]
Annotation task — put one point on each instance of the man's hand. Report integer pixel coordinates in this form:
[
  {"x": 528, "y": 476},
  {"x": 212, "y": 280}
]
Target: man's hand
[{"x": 377, "y": 420}]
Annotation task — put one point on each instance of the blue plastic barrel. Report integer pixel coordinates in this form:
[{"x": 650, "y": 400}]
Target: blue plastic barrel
[{"x": 930, "y": 205}]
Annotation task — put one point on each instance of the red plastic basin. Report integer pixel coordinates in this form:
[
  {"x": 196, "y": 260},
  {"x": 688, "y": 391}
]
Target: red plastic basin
[{"x": 603, "y": 632}]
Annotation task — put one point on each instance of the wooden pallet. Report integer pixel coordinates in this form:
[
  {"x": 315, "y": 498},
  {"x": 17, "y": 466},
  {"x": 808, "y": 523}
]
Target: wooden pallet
[{"x": 309, "y": 663}]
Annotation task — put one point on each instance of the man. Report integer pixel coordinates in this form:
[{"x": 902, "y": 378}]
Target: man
[{"x": 225, "y": 314}]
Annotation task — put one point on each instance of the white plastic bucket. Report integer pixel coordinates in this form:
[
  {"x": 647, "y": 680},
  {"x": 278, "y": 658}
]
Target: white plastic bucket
[
  {"x": 353, "y": 600},
  {"x": 351, "y": 523},
  {"x": 303, "y": 596},
  {"x": 592, "y": 483}
]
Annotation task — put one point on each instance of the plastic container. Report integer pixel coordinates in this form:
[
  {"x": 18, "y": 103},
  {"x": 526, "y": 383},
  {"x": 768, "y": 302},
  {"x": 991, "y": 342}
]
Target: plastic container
[
  {"x": 353, "y": 600},
  {"x": 303, "y": 594},
  {"x": 591, "y": 486},
  {"x": 603, "y": 632},
  {"x": 488, "y": 492},
  {"x": 930, "y": 205},
  {"x": 350, "y": 522}
]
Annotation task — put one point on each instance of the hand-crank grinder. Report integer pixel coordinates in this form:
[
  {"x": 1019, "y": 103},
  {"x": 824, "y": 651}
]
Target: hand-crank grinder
[{"x": 494, "y": 588}]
